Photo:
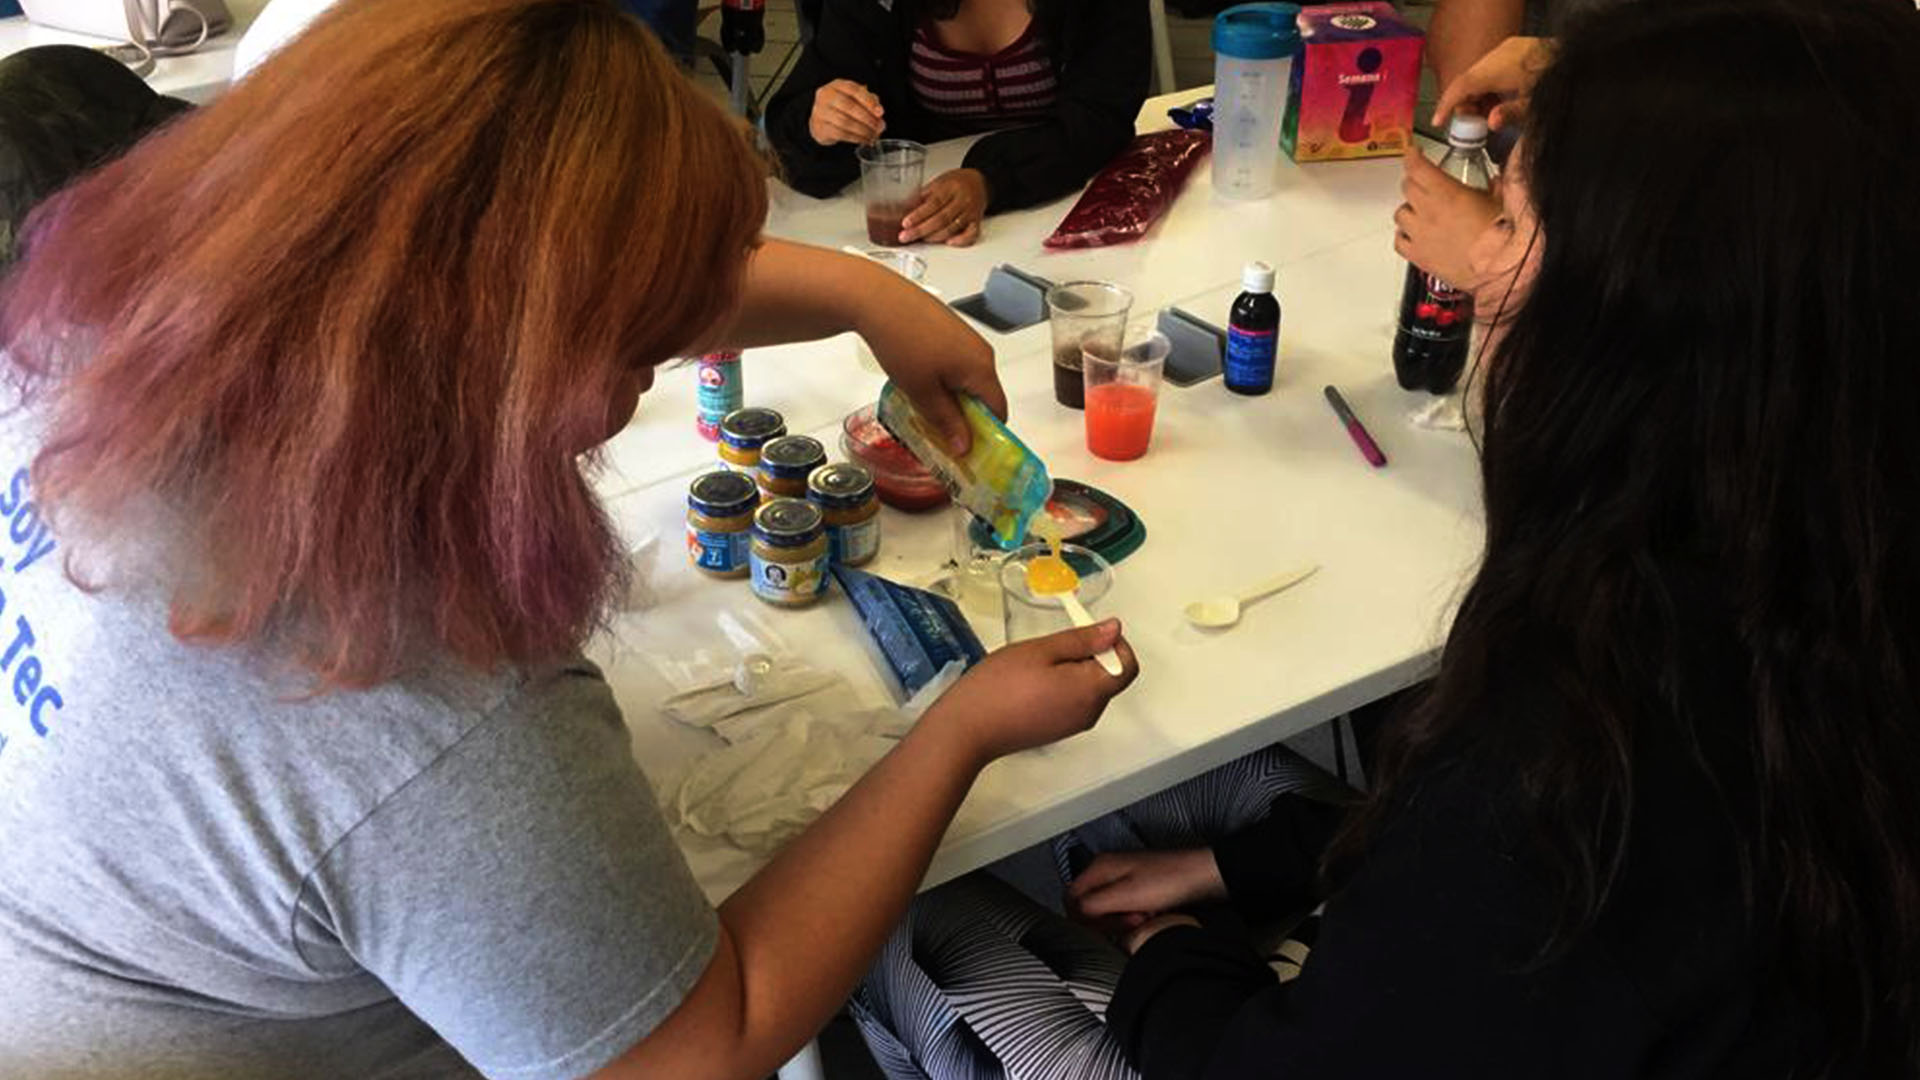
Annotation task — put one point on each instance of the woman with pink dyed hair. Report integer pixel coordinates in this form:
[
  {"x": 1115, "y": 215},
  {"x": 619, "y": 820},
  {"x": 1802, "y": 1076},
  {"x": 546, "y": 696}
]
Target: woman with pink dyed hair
[{"x": 302, "y": 772}]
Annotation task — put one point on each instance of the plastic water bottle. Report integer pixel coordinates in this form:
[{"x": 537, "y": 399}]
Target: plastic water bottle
[
  {"x": 1436, "y": 319},
  {"x": 1253, "y": 47}
]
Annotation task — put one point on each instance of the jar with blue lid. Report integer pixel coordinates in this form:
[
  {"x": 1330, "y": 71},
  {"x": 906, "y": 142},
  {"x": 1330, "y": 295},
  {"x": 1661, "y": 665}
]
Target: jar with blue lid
[
  {"x": 845, "y": 495},
  {"x": 743, "y": 432},
  {"x": 785, "y": 464},
  {"x": 789, "y": 553},
  {"x": 720, "y": 508}
]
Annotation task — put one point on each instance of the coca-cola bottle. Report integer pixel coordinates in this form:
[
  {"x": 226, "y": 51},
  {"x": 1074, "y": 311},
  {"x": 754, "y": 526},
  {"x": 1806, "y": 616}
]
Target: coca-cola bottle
[
  {"x": 1436, "y": 319},
  {"x": 743, "y": 26}
]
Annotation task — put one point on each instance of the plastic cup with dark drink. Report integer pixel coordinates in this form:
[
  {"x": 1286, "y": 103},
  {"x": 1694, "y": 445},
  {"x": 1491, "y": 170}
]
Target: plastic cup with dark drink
[
  {"x": 892, "y": 172},
  {"x": 1086, "y": 317}
]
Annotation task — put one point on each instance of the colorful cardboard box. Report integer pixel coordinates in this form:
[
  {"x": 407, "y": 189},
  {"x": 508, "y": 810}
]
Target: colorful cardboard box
[{"x": 1355, "y": 83}]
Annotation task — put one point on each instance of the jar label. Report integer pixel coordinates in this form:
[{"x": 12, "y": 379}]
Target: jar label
[
  {"x": 719, "y": 552},
  {"x": 851, "y": 545},
  {"x": 721, "y": 390},
  {"x": 789, "y": 584},
  {"x": 1250, "y": 355}
]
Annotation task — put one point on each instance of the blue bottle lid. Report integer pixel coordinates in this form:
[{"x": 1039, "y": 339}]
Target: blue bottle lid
[
  {"x": 788, "y": 523},
  {"x": 723, "y": 494},
  {"x": 1257, "y": 31}
]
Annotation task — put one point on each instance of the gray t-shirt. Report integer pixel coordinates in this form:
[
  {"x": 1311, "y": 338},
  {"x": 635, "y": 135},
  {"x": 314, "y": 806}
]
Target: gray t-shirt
[{"x": 204, "y": 875}]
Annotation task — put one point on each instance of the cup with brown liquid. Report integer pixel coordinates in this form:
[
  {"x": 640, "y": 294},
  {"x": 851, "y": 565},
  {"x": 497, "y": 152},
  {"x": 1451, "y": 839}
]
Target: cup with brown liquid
[
  {"x": 1086, "y": 317},
  {"x": 892, "y": 172}
]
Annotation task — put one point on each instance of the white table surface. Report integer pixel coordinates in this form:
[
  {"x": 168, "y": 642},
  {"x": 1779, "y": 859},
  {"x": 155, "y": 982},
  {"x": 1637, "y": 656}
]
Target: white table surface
[
  {"x": 197, "y": 77},
  {"x": 1233, "y": 490}
]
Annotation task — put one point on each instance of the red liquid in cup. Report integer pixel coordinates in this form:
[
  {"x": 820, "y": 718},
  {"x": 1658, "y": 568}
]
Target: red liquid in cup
[
  {"x": 884, "y": 224},
  {"x": 1120, "y": 420}
]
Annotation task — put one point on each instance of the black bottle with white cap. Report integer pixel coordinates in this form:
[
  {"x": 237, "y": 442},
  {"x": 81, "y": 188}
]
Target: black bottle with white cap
[
  {"x": 1253, "y": 333},
  {"x": 1436, "y": 317}
]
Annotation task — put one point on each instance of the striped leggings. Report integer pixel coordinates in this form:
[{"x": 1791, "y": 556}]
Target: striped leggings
[{"x": 980, "y": 982}]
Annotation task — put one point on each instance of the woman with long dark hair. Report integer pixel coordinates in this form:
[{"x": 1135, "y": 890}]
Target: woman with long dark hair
[
  {"x": 1055, "y": 84},
  {"x": 1656, "y": 815}
]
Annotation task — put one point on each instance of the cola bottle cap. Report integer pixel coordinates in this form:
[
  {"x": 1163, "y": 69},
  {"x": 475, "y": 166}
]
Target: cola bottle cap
[{"x": 1465, "y": 129}]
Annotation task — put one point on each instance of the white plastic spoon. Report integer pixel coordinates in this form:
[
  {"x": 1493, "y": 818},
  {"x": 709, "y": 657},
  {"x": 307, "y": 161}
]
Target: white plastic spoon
[
  {"x": 1223, "y": 611},
  {"x": 1109, "y": 660}
]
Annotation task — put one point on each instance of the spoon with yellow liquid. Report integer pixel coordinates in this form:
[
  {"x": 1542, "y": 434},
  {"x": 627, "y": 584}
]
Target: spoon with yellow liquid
[{"x": 1049, "y": 575}]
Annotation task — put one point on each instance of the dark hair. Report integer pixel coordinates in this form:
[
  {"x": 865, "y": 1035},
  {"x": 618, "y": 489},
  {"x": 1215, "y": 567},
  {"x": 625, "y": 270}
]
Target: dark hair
[
  {"x": 65, "y": 109},
  {"x": 1717, "y": 365}
]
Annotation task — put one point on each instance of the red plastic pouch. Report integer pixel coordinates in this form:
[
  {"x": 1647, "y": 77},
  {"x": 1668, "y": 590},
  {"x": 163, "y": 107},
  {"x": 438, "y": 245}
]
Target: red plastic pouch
[{"x": 1131, "y": 193}]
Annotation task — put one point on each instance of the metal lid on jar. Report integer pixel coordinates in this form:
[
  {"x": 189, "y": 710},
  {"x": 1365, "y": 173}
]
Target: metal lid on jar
[
  {"x": 748, "y": 428},
  {"x": 792, "y": 457},
  {"x": 723, "y": 494},
  {"x": 788, "y": 523},
  {"x": 840, "y": 487}
]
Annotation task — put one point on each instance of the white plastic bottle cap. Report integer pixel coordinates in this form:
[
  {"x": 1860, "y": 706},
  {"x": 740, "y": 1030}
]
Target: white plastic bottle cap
[
  {"x": 1467, "y": 129},
  {"x": 1257, "y": 278}
]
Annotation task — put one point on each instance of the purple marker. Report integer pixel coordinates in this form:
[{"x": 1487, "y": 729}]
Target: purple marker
[{"x": 1356, "y": 430}]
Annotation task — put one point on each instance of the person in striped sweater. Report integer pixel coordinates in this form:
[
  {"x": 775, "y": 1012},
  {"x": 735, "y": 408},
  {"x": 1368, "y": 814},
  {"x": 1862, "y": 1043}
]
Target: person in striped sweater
[{"x": 1055, "y": 85}]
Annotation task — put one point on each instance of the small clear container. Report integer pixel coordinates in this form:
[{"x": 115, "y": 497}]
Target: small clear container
[
  {"x": 901, "y": 480},
  {"x": 1030, "y": 616}
]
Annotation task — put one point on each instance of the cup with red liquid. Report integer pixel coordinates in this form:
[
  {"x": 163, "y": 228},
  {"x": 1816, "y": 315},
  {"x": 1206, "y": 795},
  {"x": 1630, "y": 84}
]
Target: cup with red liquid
[
  {"x": 1123, "y": 393},
  {"x": 892, "y": 172}
]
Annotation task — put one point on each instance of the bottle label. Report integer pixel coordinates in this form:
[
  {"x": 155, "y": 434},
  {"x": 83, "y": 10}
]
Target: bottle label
[
  {"x": 1250, "y": 356},
  {"x": 721, "y": 389},
  {"x": 719, "y": 552},
  {"x": 1441, "y": 312},
  {"x": 789, "y": 584},
  {"x": 851, "y": 545}
]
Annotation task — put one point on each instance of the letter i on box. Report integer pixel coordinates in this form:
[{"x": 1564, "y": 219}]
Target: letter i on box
[{"x": 1355, "y": 84}]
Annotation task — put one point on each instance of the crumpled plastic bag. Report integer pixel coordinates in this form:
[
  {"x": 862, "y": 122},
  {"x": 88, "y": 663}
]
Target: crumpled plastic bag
[
  {"x": 761, "y": 792},
  {"x": 1441, "y": 414},
  {"x": 734, "y": 706}
]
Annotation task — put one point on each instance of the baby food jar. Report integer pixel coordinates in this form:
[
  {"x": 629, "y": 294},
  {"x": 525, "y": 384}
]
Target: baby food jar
[
  {"x": 846, "y": 498},
  {"x": 720, "y": 509},
  {"x": 745, "y": 431},
  {"x": 785, "y": 464},
  {"x": 789, "y": 553}
]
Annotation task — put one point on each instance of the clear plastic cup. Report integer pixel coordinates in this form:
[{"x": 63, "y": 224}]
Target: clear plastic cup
[
  {"x": 905, "y": 263},
  {"x": 976, "y": 571},
  {"x": 1029, "y": 616},
  {"x": 1123, "y": 394},
  {"x": 892, "y": 172},
  {"x": 1086, "y": 317}
]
